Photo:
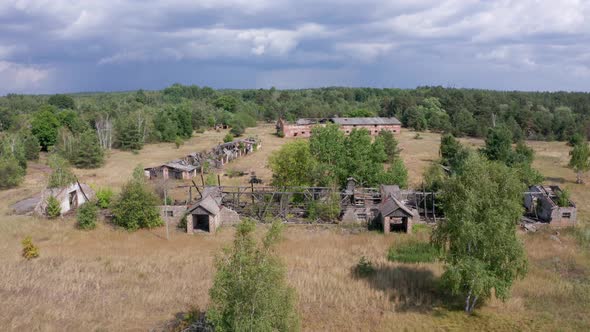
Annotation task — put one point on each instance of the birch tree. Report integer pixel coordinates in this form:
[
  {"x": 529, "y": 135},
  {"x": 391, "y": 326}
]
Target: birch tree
[
  {"x": 483, "y": 205},
  {"x": 104, "y": 131},
  {"x": 580, "y": 160}
]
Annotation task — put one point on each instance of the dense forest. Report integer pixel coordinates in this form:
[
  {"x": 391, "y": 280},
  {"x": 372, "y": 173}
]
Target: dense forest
[{"x": 79, "y": 127}]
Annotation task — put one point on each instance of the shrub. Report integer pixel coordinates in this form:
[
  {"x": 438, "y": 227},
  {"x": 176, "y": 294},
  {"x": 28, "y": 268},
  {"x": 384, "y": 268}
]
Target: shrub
[
  {"x": 228, "y": 138},
  {"x": 11, "y": 173},
  {"x": 418, "y": 136},
  {"x": 237, "y": 130},
  {"x": 104, "y": 197},
  {"x": 364, "y": 267},
  {"x": 30, "y": 250},
  {"x": 53, "y": 209},
  {"x": 178, "y": 142},
  {"x": 136, "y": 206},
  {"x": 281, "y": 134},
  {"x": 87, "y": 216},
  {"x": 413, "y": 252}
]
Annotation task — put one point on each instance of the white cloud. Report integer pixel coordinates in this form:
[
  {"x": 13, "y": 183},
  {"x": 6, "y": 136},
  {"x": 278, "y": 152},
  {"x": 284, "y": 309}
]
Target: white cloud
[
  {"x": 16, "y": 77},
  {"x": 365, "y": 52}
]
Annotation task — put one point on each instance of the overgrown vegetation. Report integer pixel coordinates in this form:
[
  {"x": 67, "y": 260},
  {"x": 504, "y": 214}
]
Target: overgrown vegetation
[{"x": 250, "y": 291}]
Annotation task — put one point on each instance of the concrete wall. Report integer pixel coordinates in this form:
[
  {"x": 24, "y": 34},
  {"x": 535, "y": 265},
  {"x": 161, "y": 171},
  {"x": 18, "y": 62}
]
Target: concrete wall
[{"x": 176, "y": 211}]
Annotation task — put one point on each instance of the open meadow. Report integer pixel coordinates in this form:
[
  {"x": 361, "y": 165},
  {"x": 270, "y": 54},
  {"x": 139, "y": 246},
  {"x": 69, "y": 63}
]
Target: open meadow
[{"x": 109, "y": 279}]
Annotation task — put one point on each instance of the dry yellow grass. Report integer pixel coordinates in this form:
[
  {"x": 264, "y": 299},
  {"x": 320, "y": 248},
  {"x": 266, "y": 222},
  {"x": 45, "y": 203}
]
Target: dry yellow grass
[{"x": 112, "y": 280}]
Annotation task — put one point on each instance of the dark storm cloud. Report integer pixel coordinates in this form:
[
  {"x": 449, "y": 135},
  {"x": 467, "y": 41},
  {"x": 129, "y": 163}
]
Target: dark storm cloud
[{"x": 66, "y": 45}]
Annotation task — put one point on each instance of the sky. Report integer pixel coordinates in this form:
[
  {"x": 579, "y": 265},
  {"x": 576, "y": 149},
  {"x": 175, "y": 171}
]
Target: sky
[{"x": 53, "y": 46}]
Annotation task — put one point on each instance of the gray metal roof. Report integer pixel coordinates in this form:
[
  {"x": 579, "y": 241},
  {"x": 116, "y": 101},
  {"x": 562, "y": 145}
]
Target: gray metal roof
[
  {"x": 181, "y": 165},
  {"x": 391, "y": 204},
  {"x": 366, "y": 121}
]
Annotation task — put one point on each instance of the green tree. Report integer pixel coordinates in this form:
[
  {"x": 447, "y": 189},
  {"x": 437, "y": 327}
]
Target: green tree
[
  {"x": 482, "y": 207},
  {"x": 396, "y": 174},
  {"x": 32, "y": 147},
  {"x": 136, "y": 206},
  {"x": 580, "y": 160},
  {"x": 62, "y": 102},
  {"x": 61, "y": 174},
  {"x": 450, "y": 149},
  {"x": 498, "y": 144},
  {"x": 227, "y": 103},
  {"x": 237, "y": 129},
  {"x": 44, "y": 126},
  {"x": 250, "y": 290},
  {"x": 434, "y": 177},
  {"x": 390, "y": 144},
  {"x": 11, "y": 173},
  {"x": 326, "y": 145},
  {"x": 292, "y": 165},
  {"x": 359, "y": 161},
  {"x": 86, "y": 216},
  {"x": 89, "y": 153}
]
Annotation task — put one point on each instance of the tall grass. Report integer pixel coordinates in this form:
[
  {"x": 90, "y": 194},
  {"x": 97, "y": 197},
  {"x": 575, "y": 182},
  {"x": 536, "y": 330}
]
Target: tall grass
[{"x": 413, "y": 252}]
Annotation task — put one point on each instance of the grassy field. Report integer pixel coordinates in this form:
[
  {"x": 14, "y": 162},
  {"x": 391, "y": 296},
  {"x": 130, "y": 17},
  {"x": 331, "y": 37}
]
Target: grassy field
[{"x": 111, "y": 280}]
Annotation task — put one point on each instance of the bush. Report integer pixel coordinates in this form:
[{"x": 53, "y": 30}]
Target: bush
[
  {"x": 178, "y": 142},
  {"x": 237, "y": 130},
  {"x": 11, "y": 173},
  {"x": 228, "y": 138},
  {"x": 104, "y": 197},
  {"x": 53, "y": 209},
  {"x": 136, "y": 206},
  {"x": 87, "y": 216},
  {"x": 61, "y": 174},
  {"x": 30, "y": 250},
  {"x": 364, "y": 267},
  {"x": 413, "y": 252}
]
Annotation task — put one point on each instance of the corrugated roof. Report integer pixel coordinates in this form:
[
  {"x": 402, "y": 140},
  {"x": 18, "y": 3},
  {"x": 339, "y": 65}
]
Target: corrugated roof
[{"x": 366, "y": 121}]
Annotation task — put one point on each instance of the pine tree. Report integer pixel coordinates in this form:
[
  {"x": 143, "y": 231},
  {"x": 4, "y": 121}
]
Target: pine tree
[
  {"x": 11, "y": 173},
  {"x": 53, "y": 209},
  {"x": 89, "y": 154}
]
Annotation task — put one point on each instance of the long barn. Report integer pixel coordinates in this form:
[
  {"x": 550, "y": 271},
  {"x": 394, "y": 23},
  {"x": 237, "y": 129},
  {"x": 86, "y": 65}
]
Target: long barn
[{"x": 302, "y": 127}]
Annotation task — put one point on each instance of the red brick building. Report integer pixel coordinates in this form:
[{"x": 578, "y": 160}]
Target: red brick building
[{"x": 302, "y": 127}]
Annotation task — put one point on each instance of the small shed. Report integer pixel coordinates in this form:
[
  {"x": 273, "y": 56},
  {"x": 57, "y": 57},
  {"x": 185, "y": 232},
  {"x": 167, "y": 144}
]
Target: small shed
[
  {"x": 208, "y": 214},
  {"x": 395, "y": 216}
]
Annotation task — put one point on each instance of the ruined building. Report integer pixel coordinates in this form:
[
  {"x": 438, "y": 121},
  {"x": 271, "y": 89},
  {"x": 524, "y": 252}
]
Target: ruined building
[
  {"x": 302, "y": 127},
  {"x": 191, "y": 165},
  {"x": 542, "y": 203}
]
